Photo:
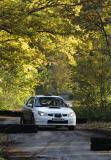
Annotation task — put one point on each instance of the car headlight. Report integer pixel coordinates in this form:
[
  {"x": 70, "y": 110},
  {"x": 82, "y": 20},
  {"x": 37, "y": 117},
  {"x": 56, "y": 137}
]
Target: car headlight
[
  {"x": 71, "y": 114},
  {"x": 42, "y": 113}
]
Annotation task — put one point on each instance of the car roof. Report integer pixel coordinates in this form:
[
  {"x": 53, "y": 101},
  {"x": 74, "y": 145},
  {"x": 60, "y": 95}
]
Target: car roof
[{"x": 53, "y": 96}]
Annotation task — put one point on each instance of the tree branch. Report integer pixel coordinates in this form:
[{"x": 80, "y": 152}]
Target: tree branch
[
  {"x": 56, "y": 5},
  {"x": 105, "y": 34},
  {"x": 3, "y": 28},
  {"x": 53, "y": 32},
  {"x": 8, "y": 40}
]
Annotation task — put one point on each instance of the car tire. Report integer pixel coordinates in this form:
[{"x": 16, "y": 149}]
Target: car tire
[
  {"x": 71, "y": 128},
  {"x": 32, "y": 120}
]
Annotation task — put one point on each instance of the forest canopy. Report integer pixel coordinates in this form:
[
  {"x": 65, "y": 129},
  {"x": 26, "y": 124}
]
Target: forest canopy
[{"x": 55, "y": 46}]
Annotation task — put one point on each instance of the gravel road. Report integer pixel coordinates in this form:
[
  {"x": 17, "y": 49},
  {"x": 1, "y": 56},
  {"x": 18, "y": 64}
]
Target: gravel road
[{"x": 54, "y": 144}]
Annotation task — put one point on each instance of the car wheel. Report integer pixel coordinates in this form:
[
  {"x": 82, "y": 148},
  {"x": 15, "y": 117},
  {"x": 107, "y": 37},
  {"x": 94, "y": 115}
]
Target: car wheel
[
  {"x": 71, "y": 128},
  {"x": 32, "y": 120}
]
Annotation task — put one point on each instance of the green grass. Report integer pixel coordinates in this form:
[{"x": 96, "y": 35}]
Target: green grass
[{"x": 99, "y": 125}]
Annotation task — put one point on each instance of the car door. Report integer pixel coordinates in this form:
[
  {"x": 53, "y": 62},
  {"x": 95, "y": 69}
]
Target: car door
[{"x": 28, "y": 109}]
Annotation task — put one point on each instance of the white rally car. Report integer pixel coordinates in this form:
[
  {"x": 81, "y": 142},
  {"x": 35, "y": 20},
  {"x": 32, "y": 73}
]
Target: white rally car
[{"x": 48, "y": 111}]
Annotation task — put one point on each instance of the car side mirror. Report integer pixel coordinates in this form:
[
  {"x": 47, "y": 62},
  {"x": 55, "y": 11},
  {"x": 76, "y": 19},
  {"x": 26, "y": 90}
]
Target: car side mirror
[
  {"x": 69, "y": 104},
  {"x": 25, "y": 101},
  {"x": 30, "y": 105}
]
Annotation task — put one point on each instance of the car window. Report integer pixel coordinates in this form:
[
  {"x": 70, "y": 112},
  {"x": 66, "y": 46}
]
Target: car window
[
  {"x": 30, "y": 101},
  {"x": 51, "y": 102}
]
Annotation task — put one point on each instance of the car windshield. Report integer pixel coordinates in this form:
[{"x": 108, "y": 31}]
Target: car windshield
[{"x": 51, "y": 102}]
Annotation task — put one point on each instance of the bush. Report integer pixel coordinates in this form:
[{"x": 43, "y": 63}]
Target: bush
[{"x": 94, "y": 113}]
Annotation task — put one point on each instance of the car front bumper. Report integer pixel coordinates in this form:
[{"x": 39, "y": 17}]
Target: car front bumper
[{"x": 46, "y": 121}]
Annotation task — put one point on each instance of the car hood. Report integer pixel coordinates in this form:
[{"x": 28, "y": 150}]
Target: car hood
[{"x": 52, "y": 110}]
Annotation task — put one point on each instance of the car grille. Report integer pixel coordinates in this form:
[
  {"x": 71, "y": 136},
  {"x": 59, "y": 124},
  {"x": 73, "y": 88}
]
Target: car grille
[
  {"x": 57, "y": 122},
  {"x": 64, "y": 115},
  {"x": 51, "y": 115},
  {"x": 58, "y": 115}
]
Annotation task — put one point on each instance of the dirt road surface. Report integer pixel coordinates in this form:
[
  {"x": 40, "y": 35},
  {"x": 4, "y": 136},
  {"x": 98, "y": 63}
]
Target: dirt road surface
[{"x": 54, "y": 144}]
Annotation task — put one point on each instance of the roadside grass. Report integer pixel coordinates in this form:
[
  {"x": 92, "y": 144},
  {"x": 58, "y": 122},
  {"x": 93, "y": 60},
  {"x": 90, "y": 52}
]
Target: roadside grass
[
  {"x": 98, "y": 125},
  {"x": 103, "y": 127}
]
